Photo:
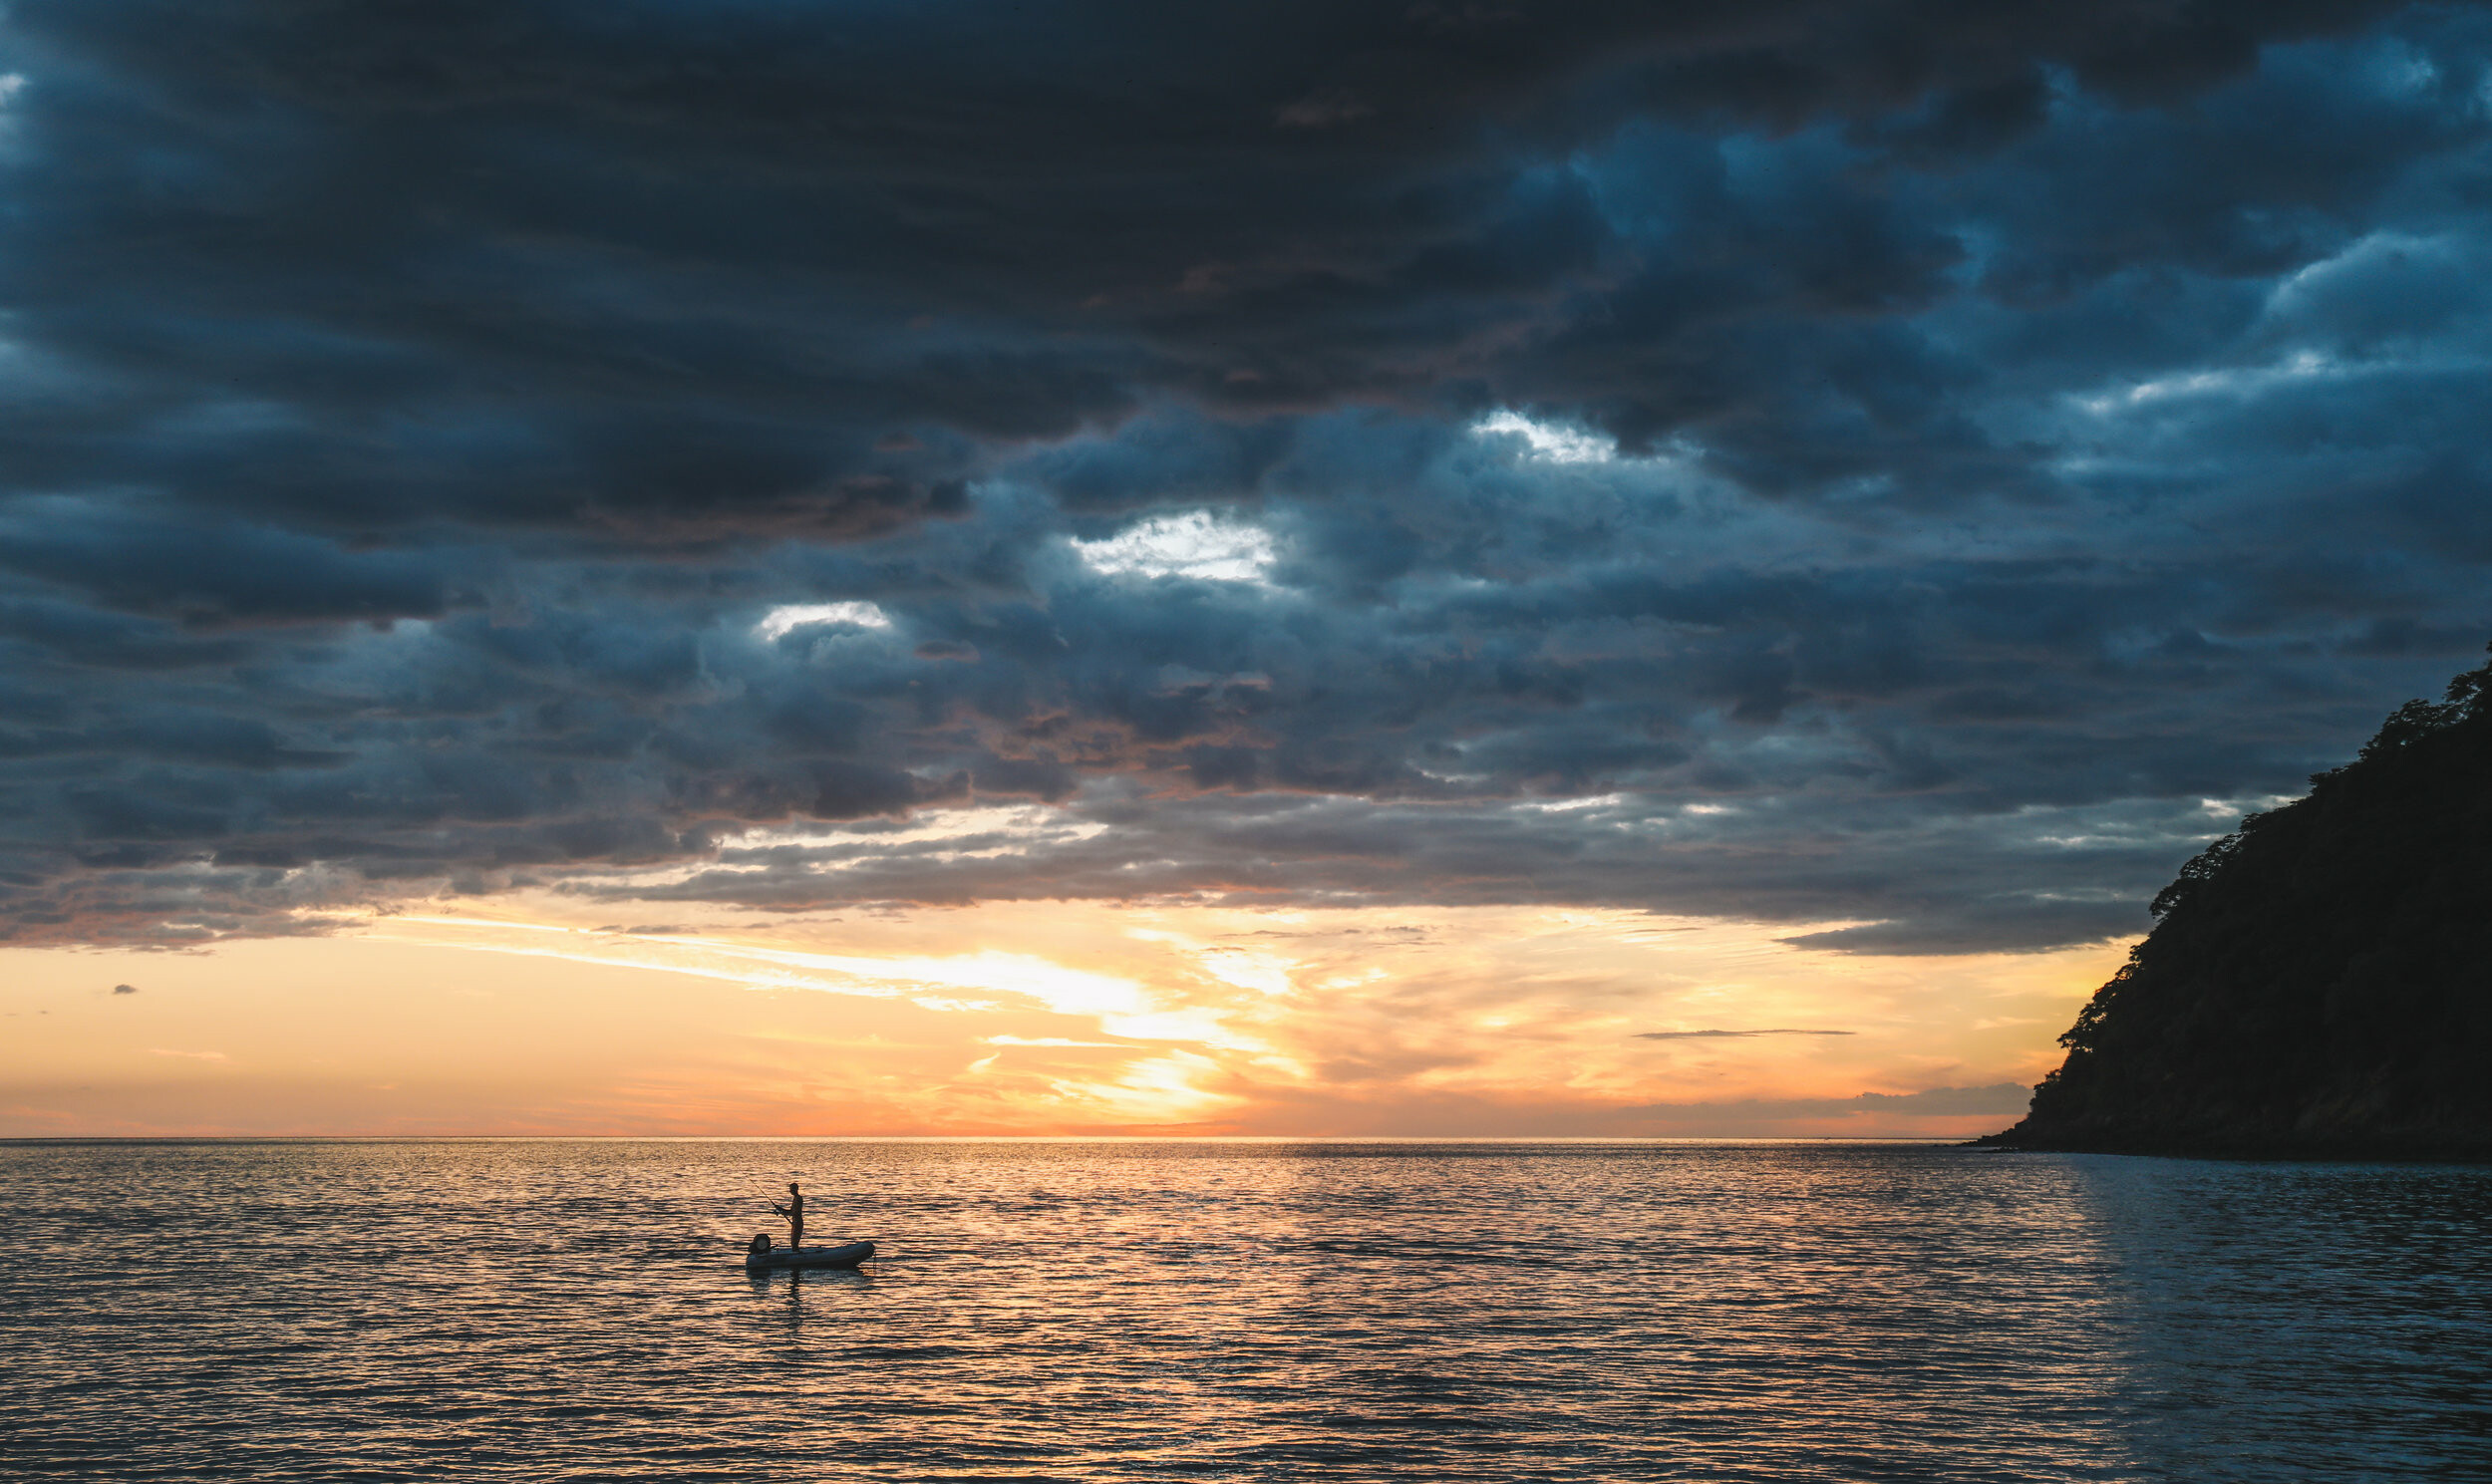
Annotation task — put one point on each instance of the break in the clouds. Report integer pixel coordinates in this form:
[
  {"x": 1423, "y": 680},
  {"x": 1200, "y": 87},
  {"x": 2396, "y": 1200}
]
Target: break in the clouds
[{"x": 1915, "y": 467}]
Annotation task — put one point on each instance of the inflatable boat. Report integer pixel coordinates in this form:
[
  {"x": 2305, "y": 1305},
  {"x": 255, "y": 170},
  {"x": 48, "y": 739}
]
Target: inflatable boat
[{"x": 761, "y": 1259}]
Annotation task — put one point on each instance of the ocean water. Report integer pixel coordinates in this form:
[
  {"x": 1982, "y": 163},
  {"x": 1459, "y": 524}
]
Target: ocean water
[{"x": 1237, "y": 1312}]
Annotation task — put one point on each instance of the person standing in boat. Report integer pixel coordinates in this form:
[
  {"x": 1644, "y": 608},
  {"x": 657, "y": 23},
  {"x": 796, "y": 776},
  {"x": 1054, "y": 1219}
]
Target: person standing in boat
[{"x": 794, "y": 1212}]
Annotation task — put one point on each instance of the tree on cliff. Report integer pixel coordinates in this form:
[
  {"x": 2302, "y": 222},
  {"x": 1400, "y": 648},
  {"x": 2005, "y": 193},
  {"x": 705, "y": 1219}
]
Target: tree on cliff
[{"x": 2318, "y": 982}]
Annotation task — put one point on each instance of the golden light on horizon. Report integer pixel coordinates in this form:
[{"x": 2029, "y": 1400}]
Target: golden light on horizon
[{"x": 527, "y": 1017}]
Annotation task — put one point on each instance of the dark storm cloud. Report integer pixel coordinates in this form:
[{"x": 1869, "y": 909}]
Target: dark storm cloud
[
  {"x": 1959, "y": 441},
  {"x": 209, "y": 575},
  {"x": 663, "y": 269}
]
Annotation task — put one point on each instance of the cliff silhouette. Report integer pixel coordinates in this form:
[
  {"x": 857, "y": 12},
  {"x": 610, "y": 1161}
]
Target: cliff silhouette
[{"x": 2317, "y": 983}]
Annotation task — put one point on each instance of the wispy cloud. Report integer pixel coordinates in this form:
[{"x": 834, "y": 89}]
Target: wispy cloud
[
  {"x": 1701, "y": 1035},
  {"x": 1055, "y": 1040}
]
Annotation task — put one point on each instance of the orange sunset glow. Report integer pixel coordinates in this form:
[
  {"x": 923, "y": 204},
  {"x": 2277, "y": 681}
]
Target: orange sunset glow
[{"x": 1032, "y": 1019}]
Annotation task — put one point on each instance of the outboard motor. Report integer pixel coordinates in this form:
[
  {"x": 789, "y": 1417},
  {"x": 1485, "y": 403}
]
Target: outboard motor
[{"x": 761, "y": 1248}]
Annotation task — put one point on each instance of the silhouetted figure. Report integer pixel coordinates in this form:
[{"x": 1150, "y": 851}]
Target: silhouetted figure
[{"x": 794, "y": 1212}]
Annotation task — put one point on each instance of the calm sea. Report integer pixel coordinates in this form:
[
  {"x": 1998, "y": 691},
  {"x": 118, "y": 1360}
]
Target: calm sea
[{"x": 1237, "y": 1311}]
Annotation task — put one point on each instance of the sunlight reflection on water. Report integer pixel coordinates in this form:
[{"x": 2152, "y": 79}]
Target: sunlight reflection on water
[{"x": 1238, "y": 1311}]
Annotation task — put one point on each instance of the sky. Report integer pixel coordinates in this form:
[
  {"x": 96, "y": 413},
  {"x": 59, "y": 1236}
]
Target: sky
[{"x": 1299, "y": 569}]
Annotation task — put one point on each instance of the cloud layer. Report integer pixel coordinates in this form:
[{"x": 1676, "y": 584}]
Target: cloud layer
[{"x": 1919, "y": 467}]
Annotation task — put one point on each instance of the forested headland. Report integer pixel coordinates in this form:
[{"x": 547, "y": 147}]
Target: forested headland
[{"x": 2318, "y": 983}]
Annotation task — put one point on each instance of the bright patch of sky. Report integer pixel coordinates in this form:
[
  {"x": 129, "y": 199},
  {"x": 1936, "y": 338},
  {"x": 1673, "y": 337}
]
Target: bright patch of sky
[
  {"x": 1061, "y": 990},
  {"x": 1550, "y": 441},
  {"x": 1569, "y": 805},
  {"x": 1014, "y": 826},
  {"x": 787, "y": 618},
  {"x": 2301, "y": 365},
  {"x": 1194, "y": 544}
]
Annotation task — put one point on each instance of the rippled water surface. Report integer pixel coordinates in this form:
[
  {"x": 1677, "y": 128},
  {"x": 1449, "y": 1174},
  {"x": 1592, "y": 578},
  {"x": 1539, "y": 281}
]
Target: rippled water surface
[{"x": 1238, "y": 1311}]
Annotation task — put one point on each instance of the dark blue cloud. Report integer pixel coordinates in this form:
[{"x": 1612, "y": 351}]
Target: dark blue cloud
[{"x": 1865, "y": 465}]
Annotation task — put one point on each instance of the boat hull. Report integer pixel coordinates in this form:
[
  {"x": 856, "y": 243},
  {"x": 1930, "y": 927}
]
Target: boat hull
[{"x": 810, "y": 1257}]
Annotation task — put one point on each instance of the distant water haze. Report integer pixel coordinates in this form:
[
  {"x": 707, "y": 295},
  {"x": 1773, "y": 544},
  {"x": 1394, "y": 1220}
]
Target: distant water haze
[{"x": 531, "y": 1016}]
